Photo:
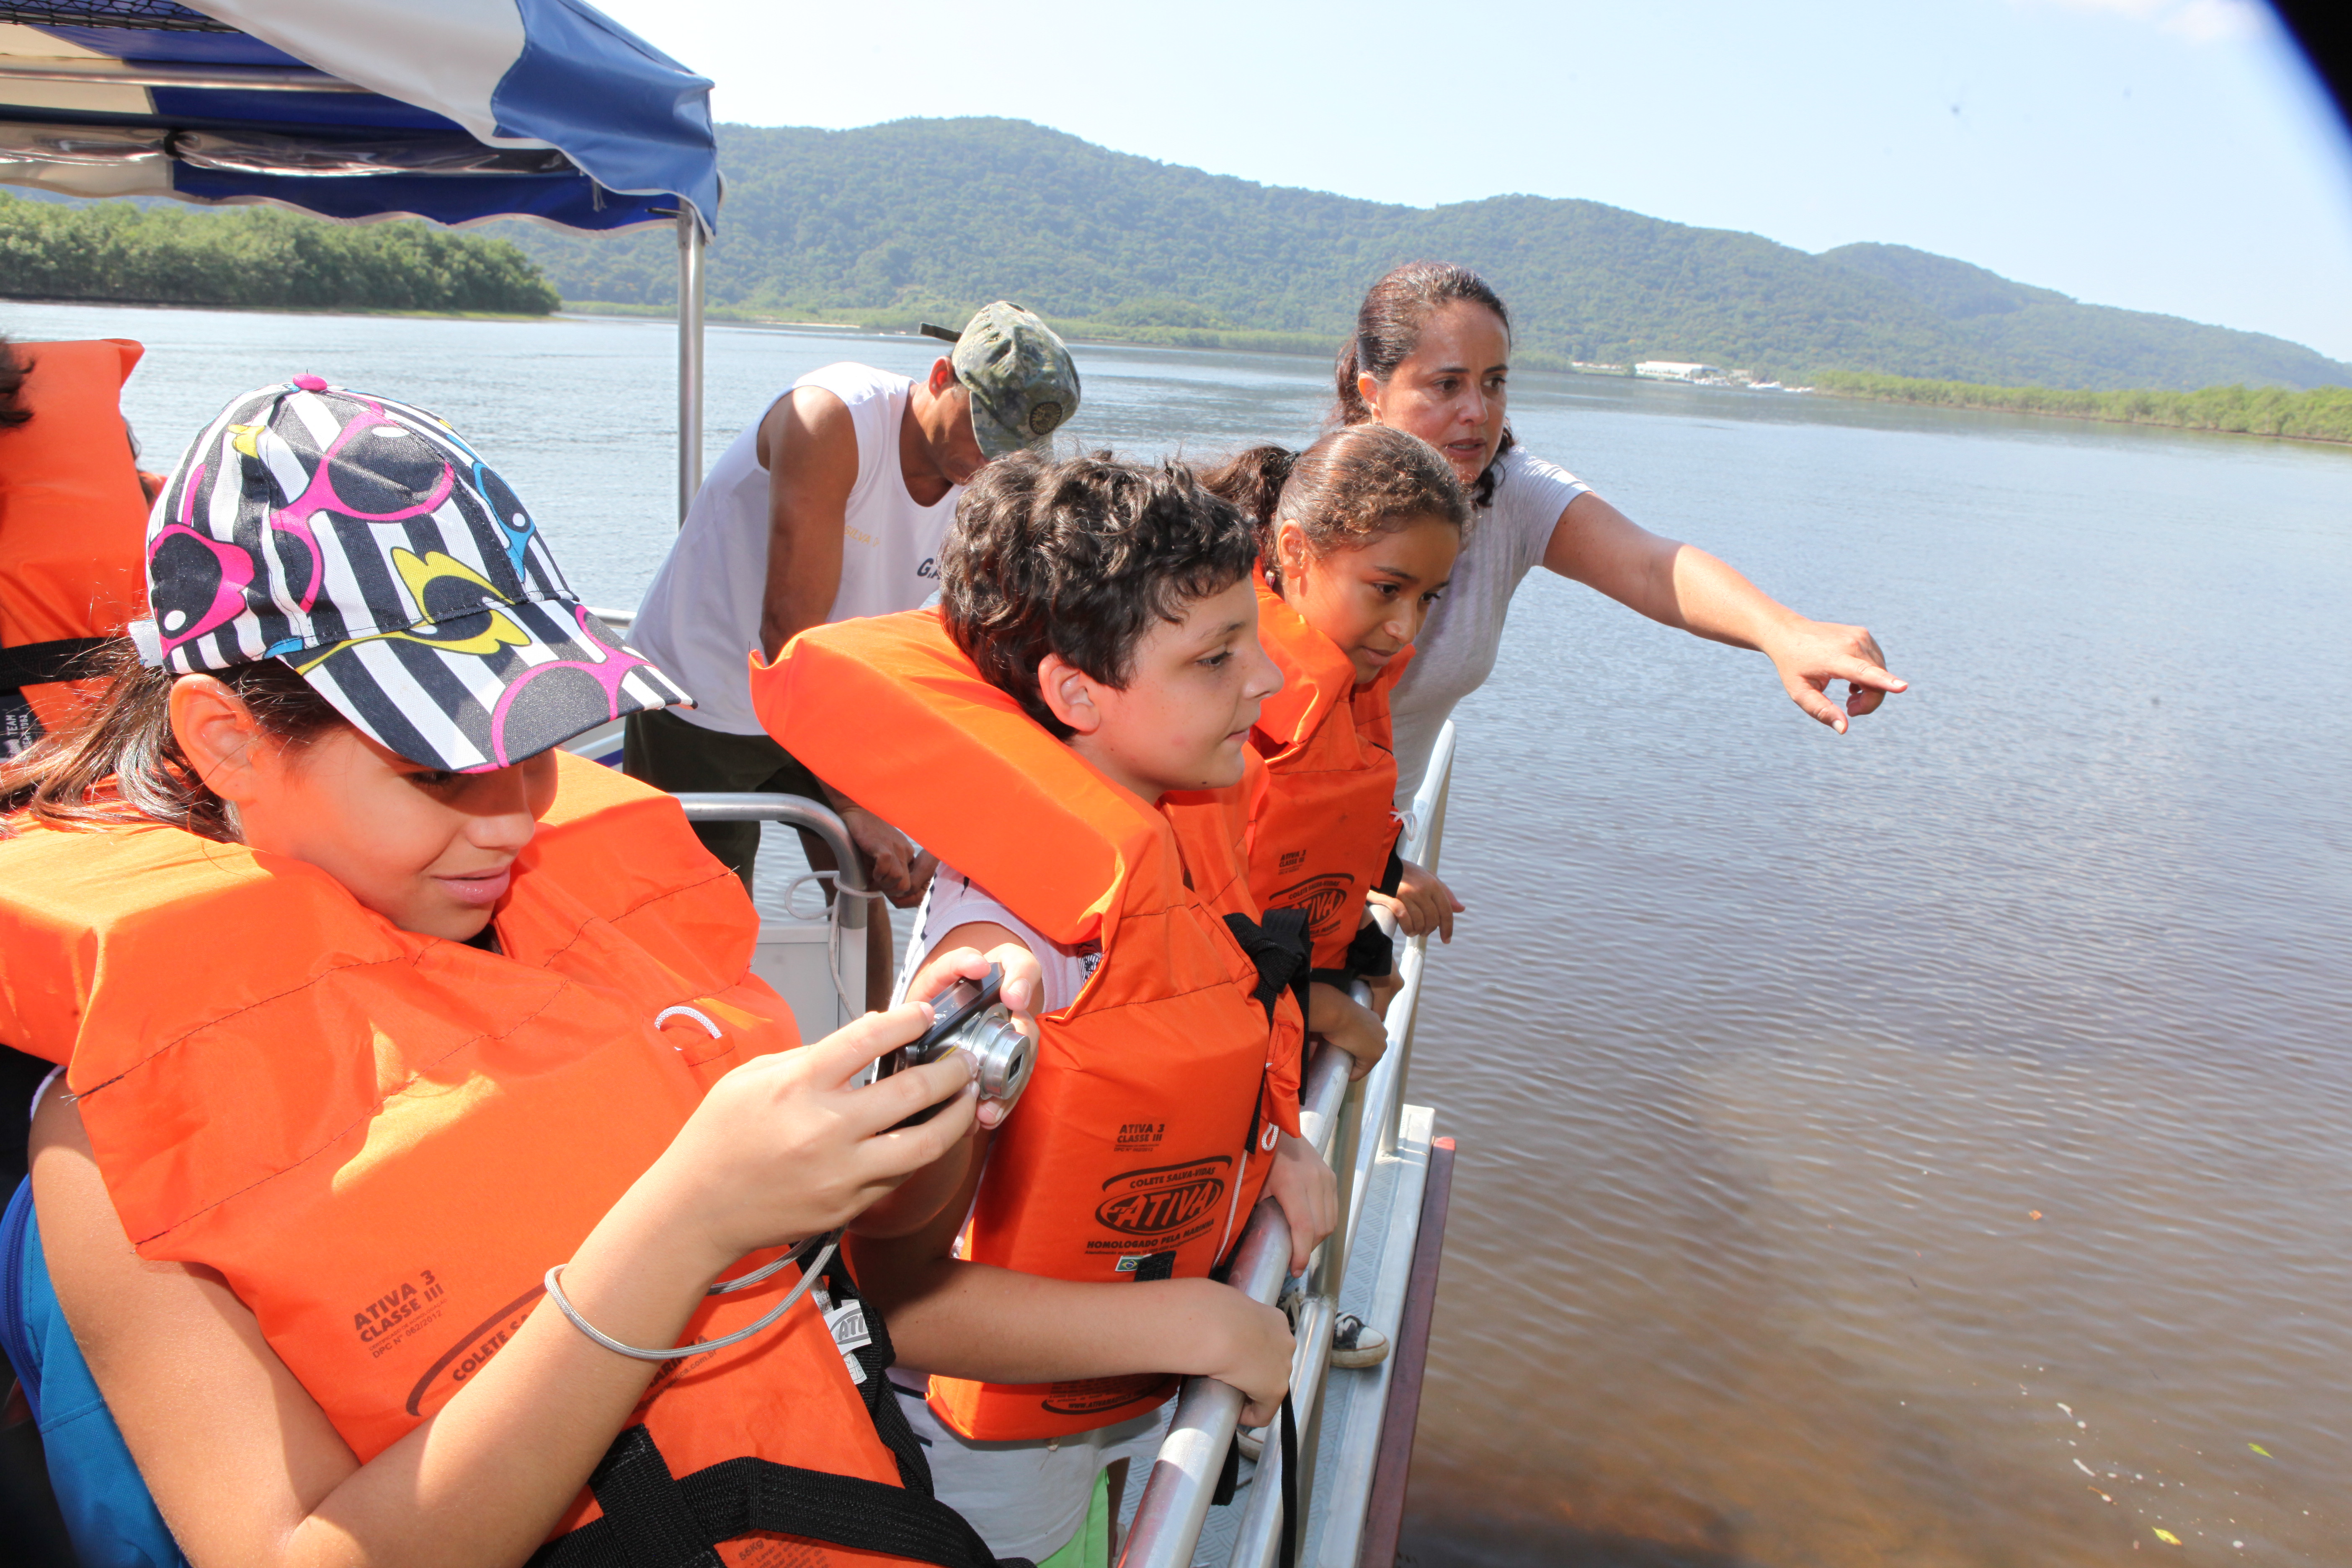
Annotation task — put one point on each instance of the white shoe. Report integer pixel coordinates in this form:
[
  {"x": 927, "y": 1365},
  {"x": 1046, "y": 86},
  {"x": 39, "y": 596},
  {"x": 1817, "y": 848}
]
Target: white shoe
[{"x": 1356, "y": 1344}]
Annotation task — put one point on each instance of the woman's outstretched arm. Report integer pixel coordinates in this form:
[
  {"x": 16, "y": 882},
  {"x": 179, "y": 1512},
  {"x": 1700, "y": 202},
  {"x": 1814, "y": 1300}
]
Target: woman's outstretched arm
[
  {"x": 244, "y": 1465},
  {"x": 1681, "y": 585}
]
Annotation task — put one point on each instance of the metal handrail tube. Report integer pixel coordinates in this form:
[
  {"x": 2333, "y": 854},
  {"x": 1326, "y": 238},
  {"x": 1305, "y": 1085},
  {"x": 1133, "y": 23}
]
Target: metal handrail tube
[
  {"x": 1428, "y": 805},
  {"x": 1320, "y": 1097},
  {"x": 1332, "y": 1271},
  {"x": 241, "y": 79},
  {"x": 794, "y": 811},
  {"x": 1383, "y": 1087},
  {"x": 689, "y": 358},
  {"x": 1428, "y": 801},
  {"x": 1383, "y": 1095},
  {"x": 1175, "y": 1503}
]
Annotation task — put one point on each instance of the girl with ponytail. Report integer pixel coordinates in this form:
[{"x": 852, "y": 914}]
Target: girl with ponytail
[{"x": 1357, "y": 538}]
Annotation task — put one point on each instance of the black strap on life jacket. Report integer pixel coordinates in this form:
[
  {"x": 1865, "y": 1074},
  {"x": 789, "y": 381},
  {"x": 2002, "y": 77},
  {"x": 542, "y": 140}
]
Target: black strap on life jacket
[
  {"x": 39, "y": 663},
  {"x": 876, "y": 1357},
  {"x": 652, "y": 1519},
  {"x": 1371, "y": 955},
  {"x": 1281, "y": 949},
  {"x": 1291, "y": 1520}
]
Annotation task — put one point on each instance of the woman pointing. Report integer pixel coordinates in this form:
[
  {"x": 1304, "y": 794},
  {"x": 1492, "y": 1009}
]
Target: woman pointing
[{"x": 1430, "y": 356}]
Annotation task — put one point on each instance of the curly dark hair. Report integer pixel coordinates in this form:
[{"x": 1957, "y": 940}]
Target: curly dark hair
[
  {"x": 1081, "y": 558},
  {"x": 1388, "y": 329},
  {"x": 1356, "y": 484}
]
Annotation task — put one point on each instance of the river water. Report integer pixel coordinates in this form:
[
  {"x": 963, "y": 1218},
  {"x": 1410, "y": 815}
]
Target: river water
[{"x": 1929, "y": 1146}]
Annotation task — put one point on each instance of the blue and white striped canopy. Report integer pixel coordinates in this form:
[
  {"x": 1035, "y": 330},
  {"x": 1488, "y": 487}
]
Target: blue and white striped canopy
[{"x": 456, "y": 111}]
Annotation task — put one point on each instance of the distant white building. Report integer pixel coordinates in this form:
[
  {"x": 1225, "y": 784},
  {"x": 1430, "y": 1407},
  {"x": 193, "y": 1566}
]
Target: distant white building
[{"x": 1675, "y": 370}]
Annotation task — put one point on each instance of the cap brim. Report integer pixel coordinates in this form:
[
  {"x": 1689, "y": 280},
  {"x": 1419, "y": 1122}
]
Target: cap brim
[{"x": 474, "y": 692}]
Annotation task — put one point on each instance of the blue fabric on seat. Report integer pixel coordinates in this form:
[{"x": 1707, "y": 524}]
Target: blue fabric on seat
[{"x": 107, "y": 1509}]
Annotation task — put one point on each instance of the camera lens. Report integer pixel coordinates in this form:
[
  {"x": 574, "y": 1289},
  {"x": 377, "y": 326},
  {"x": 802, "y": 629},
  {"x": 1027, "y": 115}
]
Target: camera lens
[{"x": 1002, "y": 1052}]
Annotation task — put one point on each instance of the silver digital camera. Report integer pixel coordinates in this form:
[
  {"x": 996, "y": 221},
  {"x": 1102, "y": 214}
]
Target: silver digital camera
[{"x": 969, "y": 1018}]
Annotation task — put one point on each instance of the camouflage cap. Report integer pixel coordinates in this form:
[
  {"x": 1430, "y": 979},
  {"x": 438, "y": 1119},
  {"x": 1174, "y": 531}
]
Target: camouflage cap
[{"x": 1023, "y": 385}]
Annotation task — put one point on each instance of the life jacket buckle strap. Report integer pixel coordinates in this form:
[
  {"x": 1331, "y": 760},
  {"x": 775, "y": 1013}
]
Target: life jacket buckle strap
[
  {"x": 1280, "y": 947},
  {"x": 40, "y": 663},
  {"x": 654, "y": 1519}
]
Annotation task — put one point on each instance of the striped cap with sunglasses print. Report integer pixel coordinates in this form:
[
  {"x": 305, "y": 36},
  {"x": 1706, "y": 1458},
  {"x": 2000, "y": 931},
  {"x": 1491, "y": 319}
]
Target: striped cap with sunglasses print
[{"x": 363, "y": 542}]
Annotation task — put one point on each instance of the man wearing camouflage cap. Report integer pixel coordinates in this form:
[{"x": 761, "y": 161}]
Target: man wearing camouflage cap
[{"x": 831, "y": 506}]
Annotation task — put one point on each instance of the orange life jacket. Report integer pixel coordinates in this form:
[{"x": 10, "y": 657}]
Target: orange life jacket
[
  {"x": 1321, "y": 829},
  {"x": 381, "y": 1140},
  {"x": 1213, "y": 826},
  {"x": 73, "y": 524},
  {"x": 1145, "y": 1135}
]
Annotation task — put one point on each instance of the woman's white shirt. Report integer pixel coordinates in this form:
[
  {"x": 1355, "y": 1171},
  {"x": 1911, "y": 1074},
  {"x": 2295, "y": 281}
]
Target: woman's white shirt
[{"x": 1456, "y": 651}]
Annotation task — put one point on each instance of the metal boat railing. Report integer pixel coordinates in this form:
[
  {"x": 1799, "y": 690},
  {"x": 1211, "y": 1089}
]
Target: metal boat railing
[
  {"x": 117, "y": 73},
  {"x": 689, "y": 359},
  {"x": 1354, "y": 1126},
  {"x": 1383, "y": 1088},
  {"x": 852, "y": 906}
]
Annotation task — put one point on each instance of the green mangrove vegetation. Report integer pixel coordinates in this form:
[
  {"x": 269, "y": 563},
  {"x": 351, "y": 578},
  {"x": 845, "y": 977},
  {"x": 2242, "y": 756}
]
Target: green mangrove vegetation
[
  {"x": 2321, "y": 414},
  {"x": 167, "y": 254}
]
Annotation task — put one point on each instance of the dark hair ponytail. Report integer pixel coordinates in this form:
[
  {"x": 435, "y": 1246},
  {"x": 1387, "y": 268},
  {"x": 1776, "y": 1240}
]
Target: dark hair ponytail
[
  {"x": 1356, "y": 484},
  {"x": 122, "y": 766},
  {"x": 1252, "y": 480},
  {"x": 1388, "y": 329}
]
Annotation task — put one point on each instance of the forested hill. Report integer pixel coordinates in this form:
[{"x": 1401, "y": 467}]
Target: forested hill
[{"x": 930, "y": 217}]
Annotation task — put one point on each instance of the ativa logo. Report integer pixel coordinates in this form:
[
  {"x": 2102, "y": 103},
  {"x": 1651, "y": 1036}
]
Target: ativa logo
[
  {"x": 1164, "y": 1199},
  {"x": 1322, "y": 897},
  {"x": 1096, "y": 1395}
]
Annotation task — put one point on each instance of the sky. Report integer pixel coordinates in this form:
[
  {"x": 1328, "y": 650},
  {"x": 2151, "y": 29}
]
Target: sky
[{"x": 2170, "y": 155}]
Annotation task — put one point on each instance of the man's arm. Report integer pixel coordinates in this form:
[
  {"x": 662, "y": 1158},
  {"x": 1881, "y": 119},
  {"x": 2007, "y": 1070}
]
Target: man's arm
[
  {"x": 1681, "y": 585},
  {"x": 809, "y": 448}
]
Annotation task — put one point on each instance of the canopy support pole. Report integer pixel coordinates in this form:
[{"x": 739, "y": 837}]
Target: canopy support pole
[{"x": 689, "y": 357}]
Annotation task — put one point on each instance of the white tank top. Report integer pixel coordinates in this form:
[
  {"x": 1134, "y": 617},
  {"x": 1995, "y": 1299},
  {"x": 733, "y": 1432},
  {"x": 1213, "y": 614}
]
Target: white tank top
[{"x": 700, "y": 618}]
